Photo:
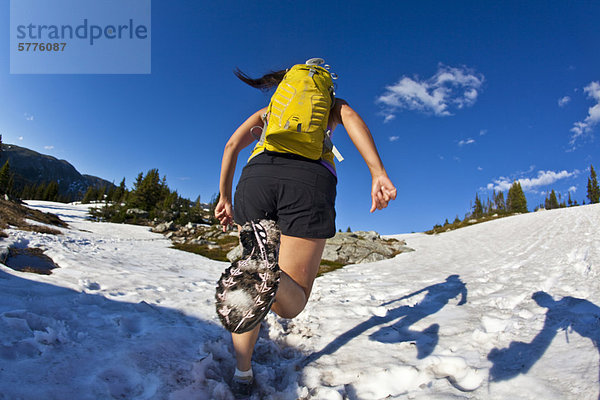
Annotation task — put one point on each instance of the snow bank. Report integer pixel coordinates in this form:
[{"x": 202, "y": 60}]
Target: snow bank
[{"x": 504, "y": 309}]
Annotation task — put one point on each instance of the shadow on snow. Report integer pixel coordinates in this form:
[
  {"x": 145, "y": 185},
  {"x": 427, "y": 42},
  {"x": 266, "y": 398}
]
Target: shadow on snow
[
  {"x": 437, "y": 296},
  {"x": 57, "y": 342},
  {"x": 568, "y": 313}
]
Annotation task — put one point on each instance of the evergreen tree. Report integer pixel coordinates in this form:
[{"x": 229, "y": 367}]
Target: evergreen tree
[
  {"x": 27, "y": 193},
  {"x": 119, "y": 194},
  {"x": 551, "y": 201},
  {"x": 456, "y": 220},
  {"x": 593, "y": 190},
  {"x": 109, "y": 193},
  {"x": 5, "y": 179},
  {"x": 516, "y": 201},
  {"x": 11, "y": 186},
  {"x": 499, "y": 202},
  {"x": 487, "y": 206},
  {"x": 51, "y": 192},
  {"x": 91, "y": 194},
  {"x": 39, "y": 191},
  {"x": 570, "y": 202},
  {"x": 477, "y": 208},
  {"x": 147, "y": 191}
]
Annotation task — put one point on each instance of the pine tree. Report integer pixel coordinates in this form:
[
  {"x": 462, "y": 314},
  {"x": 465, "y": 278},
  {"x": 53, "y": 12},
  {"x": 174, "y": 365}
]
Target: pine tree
[
  {"x": 39, "y": 191},
  {"x": 110, "y": 193},
  {"x": 90, "y": 195},
  {"x": 119, "y": 193},
  {"x": 487, "y": 210},
  {"x": 551, "y": 201},
  {"x": 5, "y": 178},
  {"x": 28, "y": 192},
  {"x": 570, "y": 202},
  {"x": 478, "y": 207},
  {"x": 499, "y": 202},
  {"x": 147, "y": 191},
  {"x": 593, "y": 190},
  {"x": 516, "y": 201},
  {"x": 51, "y": 192}
]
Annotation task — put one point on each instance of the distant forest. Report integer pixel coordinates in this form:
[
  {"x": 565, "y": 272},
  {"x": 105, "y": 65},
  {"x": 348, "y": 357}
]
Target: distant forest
[{"x": 515, "y": 203}]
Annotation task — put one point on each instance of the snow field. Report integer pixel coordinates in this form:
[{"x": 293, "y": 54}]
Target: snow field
[{"x": 504, "y": 309}]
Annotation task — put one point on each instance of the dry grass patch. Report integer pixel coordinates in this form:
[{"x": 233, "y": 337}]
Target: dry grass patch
[
  {"x": 328, "y": 266},
  {"x": 214, "y": 252},
  {"x": 14, "y": 214}
]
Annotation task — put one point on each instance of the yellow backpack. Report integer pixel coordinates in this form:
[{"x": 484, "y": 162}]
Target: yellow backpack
[{"x": 298, "y": 114}]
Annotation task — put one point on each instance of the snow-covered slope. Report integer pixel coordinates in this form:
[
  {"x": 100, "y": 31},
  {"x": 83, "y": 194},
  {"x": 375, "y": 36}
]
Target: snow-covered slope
[{"x": 508, "y": 309}]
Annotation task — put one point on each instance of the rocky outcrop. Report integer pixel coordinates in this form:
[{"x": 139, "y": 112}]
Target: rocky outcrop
[
  {"x": 344, "y": 248},
  {"x": 361, "y": 247},
  {"x": 352, "y": 248}
]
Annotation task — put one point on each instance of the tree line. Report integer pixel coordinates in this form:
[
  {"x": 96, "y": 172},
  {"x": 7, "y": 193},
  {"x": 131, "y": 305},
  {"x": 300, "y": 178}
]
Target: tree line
[
  {"x": 553, "y": 201},
  {"x": 151, "y": 199},
  {"x": 516, "y": 202}
]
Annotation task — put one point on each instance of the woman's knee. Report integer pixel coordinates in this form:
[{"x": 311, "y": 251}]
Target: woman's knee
[{"x": 288, "y": 312}]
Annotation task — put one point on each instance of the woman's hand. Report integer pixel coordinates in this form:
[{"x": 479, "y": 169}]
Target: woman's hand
[
  {"x": 224, "y": 213},
  {"x": 382, "y": 192}
]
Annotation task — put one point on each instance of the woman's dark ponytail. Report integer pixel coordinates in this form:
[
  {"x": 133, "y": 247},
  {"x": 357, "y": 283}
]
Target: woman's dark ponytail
[{"x": 266, "y": 82}]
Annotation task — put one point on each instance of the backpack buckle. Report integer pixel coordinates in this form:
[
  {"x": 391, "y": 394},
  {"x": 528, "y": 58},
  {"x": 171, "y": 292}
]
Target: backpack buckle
[{"x": 314, "y": 61}]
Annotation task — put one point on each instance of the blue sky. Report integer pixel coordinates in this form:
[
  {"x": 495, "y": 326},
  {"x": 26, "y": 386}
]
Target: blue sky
[{"x": 460, "y": 97}]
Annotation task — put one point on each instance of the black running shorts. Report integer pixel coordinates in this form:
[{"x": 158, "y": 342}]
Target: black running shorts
[{"x": 298, "y": 194}]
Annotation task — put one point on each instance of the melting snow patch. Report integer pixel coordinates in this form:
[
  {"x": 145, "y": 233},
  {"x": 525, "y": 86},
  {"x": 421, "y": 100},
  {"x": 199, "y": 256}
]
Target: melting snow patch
[
  {"x": 458, "y": 373},
  {"x": 392, "y": 382},
  {"x": 493, "y": 325}
]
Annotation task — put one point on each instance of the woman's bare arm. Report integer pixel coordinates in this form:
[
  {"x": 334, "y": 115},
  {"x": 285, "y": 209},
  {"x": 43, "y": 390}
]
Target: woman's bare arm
[
  {"x": 382, "y": 190},
  {"x": 240, "y": 139}
]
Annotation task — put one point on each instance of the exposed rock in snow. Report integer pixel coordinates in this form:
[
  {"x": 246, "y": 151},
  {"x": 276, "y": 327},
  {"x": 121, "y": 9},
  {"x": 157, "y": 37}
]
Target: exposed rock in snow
[{"x": 361, "y": 247}]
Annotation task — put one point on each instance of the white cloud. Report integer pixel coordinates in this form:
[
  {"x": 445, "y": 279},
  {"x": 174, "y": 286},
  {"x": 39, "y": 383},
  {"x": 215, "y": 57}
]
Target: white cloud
[
  {"x": 563, "y": 101},
  {"x": 388, "y": 118},
  {"x": 464, "y": 142},
  {"x": 394, "y": 138},
  {"x": 584, "y": 127},
  {"x": 572, "y": 189},
  {"x": 450, "y": 88},
  {"x": 479, "y": 169},
  {"x": 28, "y": 117},
  {"x": 48, "y": 147},
  {"x": 483, "y": 132},
  {"x": 20, "y": 137},
  {"x": 544, "y": 178}
]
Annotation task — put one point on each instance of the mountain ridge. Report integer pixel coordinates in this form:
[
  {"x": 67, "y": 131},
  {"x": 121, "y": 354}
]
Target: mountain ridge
[{"x": 32, "y": 168}]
